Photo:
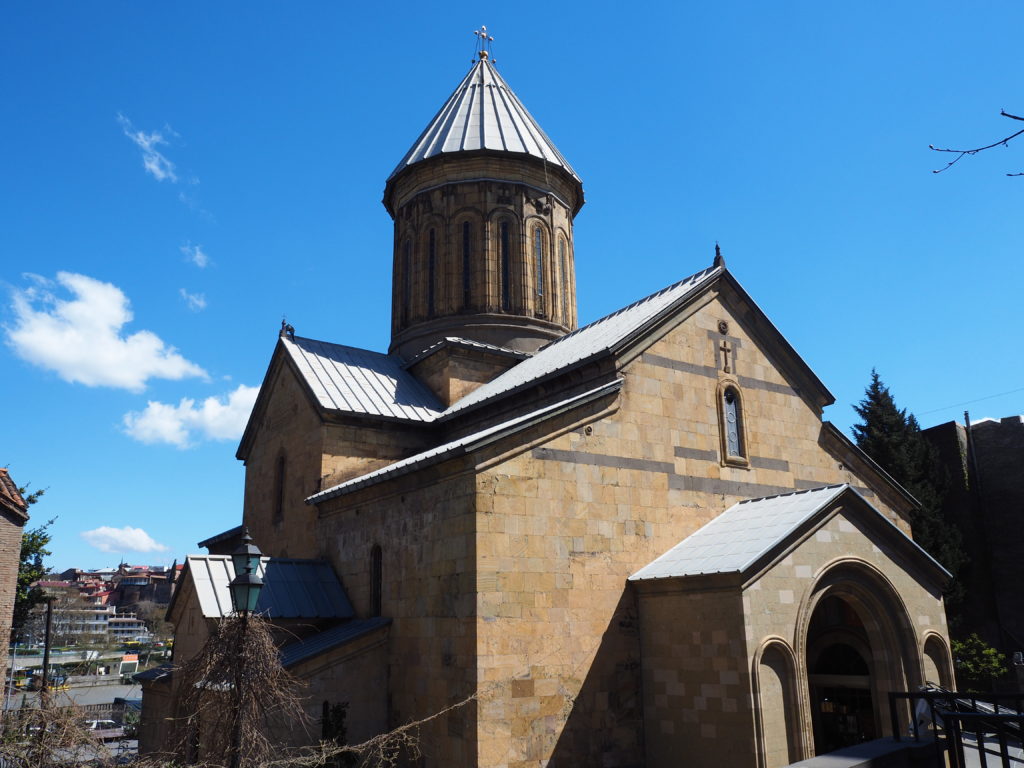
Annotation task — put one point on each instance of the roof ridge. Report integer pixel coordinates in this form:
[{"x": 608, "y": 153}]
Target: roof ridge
[
  {"x": 795, "y": 492},
  {"x": 472, "y": 119},
  {"x": 643, "y": 300}
]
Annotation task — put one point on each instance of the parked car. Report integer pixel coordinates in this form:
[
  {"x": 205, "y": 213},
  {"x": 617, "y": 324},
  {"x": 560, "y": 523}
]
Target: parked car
[{"x": 104, "y": 730}]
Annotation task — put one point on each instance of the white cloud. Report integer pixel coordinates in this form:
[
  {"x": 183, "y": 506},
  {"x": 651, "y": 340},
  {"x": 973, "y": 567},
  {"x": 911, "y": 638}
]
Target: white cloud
[
  {"x": 183, "y": 424},
  {"x": 196, "y": 255},
  {"x": 127, "y": 539},
  {"x": 81, "y": 338},
  {"x": 153, "y": 160},
  {"x": 195, "y": 301}
]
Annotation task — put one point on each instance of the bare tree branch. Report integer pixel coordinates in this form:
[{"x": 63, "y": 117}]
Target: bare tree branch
[{"x": 960, "y": 153}]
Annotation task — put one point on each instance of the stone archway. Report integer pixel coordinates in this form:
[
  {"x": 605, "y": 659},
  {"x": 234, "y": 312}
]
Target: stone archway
[
  {"x": 936, "y": 658},
  {"x": 778, "y": 709},
  {"x": 858, "y": 644}
]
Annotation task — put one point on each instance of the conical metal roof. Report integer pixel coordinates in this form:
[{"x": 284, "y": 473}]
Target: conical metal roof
[{"x": 483, "y": 114}]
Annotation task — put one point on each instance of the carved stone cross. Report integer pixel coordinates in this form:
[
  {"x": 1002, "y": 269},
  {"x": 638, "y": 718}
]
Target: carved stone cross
[{"x": 725, "y": 355}]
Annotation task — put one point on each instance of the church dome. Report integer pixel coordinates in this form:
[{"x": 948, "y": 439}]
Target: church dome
[
  {"x": 483, "y": 204},
  {"x": 483, "y": 113}
]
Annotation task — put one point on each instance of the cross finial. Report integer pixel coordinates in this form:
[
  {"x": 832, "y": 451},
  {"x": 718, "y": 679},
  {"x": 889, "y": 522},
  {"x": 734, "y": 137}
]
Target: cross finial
[{"x": 484, "y": 41}]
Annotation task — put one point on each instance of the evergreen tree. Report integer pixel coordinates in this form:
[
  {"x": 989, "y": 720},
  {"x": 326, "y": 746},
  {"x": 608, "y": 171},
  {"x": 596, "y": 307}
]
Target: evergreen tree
[
  {"x": 893, "y": 438},
  {"x": 30, "y": 568}
]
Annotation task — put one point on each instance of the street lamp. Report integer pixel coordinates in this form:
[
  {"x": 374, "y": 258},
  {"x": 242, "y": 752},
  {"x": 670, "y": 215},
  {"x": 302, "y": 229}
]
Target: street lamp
[
  {"x": 245, "y": 592},
  {"x": 245, "y": 587}
]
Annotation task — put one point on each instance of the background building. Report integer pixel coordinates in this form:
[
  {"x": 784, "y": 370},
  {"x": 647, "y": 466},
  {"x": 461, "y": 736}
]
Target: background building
[{"x": 13, "y": 516}]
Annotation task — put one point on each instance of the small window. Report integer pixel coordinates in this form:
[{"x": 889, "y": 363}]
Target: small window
[
  {"x": 376, "y": 579},
  {"x": 733, "y": 442},
  {"x": 406, "y": 280},
  {"x": 431, "y": 273},
  {"x": 467, "y": 234},
  {"x": 565, "y": 279},
  {"x": 279, "y": 478},
  {"x": 506, "y": 266},
  {"x": 538, "y": 249}
]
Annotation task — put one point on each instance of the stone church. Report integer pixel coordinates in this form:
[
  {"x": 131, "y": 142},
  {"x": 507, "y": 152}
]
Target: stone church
[{"x": 629, "y": 543}]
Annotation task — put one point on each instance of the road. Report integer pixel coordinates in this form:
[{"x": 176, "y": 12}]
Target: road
[{"x": 94, "y": 694}]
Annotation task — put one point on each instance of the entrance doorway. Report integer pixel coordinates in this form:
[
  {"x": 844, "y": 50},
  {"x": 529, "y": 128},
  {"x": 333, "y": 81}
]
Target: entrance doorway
[{"x": 839, "y": 656}]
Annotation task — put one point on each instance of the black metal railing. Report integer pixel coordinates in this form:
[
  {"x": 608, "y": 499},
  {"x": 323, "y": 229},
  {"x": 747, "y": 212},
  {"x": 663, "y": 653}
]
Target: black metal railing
[{"x": 994, "y": 722}]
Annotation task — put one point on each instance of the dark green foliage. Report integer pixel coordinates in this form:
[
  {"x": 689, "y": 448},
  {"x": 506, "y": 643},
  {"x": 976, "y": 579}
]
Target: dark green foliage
[
  {"x": 335, "y": 732},
  {"x": 977, "y": 663},
  {"x": 892, "y": 437}
]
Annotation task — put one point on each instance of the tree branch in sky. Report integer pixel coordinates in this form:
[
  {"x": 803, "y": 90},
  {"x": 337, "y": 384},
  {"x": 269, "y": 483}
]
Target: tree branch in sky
[{"x": 961, "y": 152}]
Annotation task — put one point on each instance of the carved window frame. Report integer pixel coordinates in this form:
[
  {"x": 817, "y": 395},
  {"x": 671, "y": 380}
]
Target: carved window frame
[{"x": 732, "y": 458}]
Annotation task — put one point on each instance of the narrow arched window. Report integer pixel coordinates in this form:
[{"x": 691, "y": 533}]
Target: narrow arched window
[
  {"x": 431, "y": 272},
  {"x": 538, "y": 252},
  {"x": 279, "y": 477},
  {"x": 565, "y": 279},
  {"x": 376, "y": 579},
  {"x": 732, "y": 424},
  {"x": 467, "y": 233},
  {"x": 506, "y": 266},
  {"x": 406, "y": 280}
]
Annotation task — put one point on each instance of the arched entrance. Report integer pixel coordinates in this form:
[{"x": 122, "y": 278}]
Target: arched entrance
[
  {"x": 859, "y": 645},
  {"x": 838, "y": 650}
]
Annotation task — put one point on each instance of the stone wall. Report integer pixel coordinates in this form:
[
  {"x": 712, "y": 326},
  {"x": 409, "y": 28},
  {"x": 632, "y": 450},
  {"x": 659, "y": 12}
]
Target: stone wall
[
  {"x": 11, "y": 527},
  {"x": 562, "y": 524},
  {"x": 425, "y": 532}
]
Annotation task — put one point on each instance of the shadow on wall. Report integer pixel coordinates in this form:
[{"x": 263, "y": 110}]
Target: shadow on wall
[{"x": 604, "y": 726}]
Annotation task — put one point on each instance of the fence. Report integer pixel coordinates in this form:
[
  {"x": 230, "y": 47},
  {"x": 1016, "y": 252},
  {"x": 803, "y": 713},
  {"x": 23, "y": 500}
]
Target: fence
[{"x": 948, "y": 717}]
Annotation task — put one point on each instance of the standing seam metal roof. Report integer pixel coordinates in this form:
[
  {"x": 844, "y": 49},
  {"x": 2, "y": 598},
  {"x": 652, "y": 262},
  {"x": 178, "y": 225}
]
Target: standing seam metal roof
[
  {"x": 292, "y": 588},
  {"x": 739, "y": 536},
  {"x": 463, "y": 444},
  {"x": 598, "y": 337},
  {"x": 483, "y": 114},
  {"x": 359, "y": 381},
  {"x": 736, "y": 539}
]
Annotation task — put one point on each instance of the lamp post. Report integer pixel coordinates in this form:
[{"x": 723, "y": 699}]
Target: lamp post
[
  {"x": 245, "y": 587},
  {"x": 45, "y": 687},
  {"x": 245, "y": 592}
]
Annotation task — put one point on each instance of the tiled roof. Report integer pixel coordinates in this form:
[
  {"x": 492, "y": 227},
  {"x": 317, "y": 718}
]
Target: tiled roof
[
  {"x": 359, "y": 381},
  {"x": 463, "y": 444},
  {"x": 739, "y": 536},
  {"x": 10, "y": 499},
  {"x": 590, "y": 341},
  {"x": 316, "y": 644},
  {"x": 483, "y": 114},
  {"x": 292, "y": 588}
]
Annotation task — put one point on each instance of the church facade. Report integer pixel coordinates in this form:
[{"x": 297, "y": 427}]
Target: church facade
[{"x": 630, "y": 543}]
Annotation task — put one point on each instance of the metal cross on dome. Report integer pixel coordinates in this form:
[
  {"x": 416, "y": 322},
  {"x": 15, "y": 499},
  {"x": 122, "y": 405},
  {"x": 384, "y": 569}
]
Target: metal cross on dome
[{"x": 484, "y": 42}]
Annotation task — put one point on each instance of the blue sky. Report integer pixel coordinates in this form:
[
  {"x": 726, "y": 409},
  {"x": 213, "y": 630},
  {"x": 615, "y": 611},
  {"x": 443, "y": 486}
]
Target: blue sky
[{"x": 175, "y": 178}]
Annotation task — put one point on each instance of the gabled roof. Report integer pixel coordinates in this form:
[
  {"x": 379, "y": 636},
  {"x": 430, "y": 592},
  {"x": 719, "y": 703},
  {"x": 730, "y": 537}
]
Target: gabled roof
[
  {"x": 464, "y": 444},
  {"x": 359, "y": 381},
  {"x": 483, "y": 114},
  {"x": 749, "y": 531},
  {"x": 321, "y": 642},
  {"x": 10, "y": 499},
  {"x": 292, "y": 588},
  {"x": 591, "y": 341},
  {"x": 347, "y": 380}
]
